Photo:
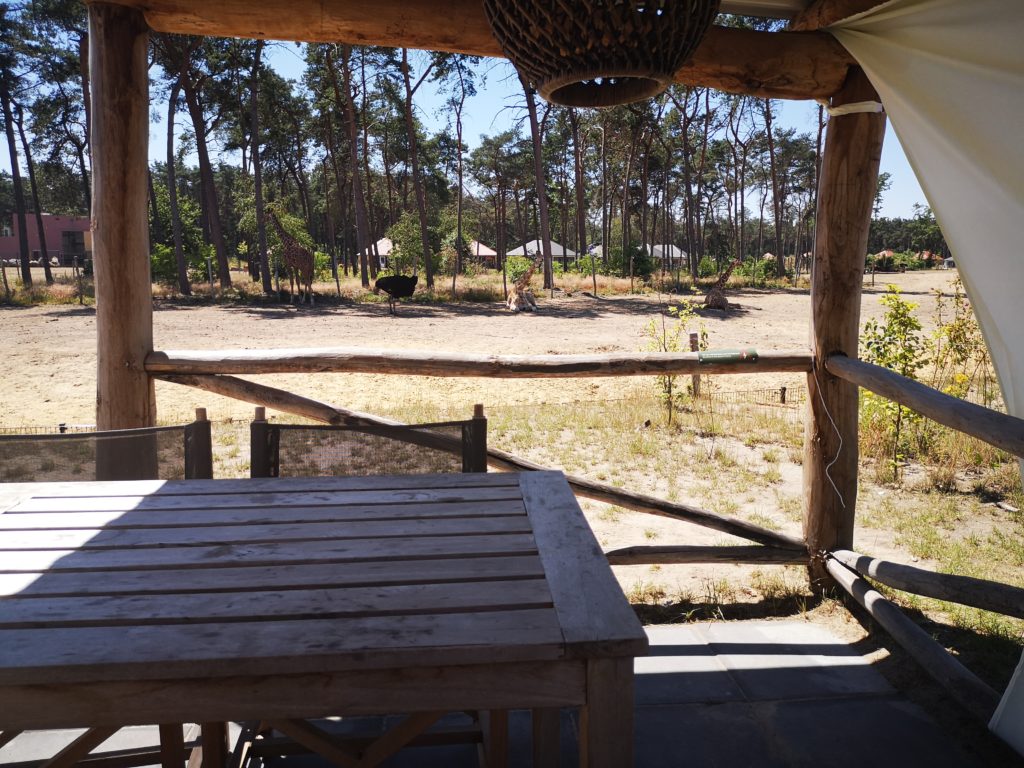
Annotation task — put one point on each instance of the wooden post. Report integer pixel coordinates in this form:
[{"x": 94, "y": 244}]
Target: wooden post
[
  {"x": 474, "y": 459},
  {"x": 125, "y": 395},
  {"x": 259, "y": 451},
  {"x": 199, "y": 448},
  {"x": 849, "y": 174},
  {"x": 695, "y": 347}
]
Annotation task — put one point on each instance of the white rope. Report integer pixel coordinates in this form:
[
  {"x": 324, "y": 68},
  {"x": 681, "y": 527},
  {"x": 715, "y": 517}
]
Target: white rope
[
  {"x": 839, "y": 450},
  {"x": 853, "y": 108}
]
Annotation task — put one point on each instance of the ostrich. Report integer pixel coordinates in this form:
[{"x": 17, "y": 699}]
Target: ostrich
[{"x": 396, "y": 287}]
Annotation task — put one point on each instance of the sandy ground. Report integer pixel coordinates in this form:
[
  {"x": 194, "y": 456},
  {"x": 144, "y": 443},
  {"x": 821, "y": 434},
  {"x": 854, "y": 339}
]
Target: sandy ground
[{"x": 50, "y": 351}]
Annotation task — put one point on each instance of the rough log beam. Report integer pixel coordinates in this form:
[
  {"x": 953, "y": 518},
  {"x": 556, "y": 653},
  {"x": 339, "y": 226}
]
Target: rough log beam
[
  {"x": 846, "y": 193},
  {"x": 120, "y": 144},
  {"x": 998, "y": 429},
  {"x": 419, "y": 363},
  {"x": 804, "y": 65},
  {"x": 822, "y": 13},
  {"x": 977, "y": 697},
  {"x": 260, "y": 394},
  {"x": 979, "y": 593},
  {"x": 689, "y": 554}
]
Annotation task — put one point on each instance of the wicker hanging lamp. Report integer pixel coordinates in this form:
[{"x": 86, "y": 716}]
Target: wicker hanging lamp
[{"x": 599, "y": 53}]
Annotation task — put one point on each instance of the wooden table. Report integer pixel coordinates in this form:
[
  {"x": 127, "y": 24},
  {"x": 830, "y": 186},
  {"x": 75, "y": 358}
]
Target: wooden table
[{"x": 201, "y": 601}]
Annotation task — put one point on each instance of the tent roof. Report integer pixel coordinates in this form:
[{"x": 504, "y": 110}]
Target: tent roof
[
  {"x": 535, "y": 247},
  {"x": 384, "y": 247},
  {"x": 479, "y": 249}
]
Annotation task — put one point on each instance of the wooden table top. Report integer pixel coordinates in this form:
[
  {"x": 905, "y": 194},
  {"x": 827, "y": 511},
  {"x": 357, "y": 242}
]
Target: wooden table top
[{"x": 161, "y": 580}]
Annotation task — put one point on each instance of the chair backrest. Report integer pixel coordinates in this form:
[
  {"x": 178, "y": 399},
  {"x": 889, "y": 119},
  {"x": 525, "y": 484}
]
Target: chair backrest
[
  {"x": 151, "y": 453},
  {"x": 297, "y": 450}
]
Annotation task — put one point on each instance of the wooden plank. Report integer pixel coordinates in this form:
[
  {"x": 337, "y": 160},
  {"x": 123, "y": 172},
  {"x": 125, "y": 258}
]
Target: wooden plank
[
  {"x": 163, "y": 652},
  {"x": 172, "y": 745},
  {"x": 361, "y": 691},
  {"x": 847, "y": 192},
  {"x": 99, "y": 538},
  {"x": 118, "y": 520},
  {"x": 999, "y": 429},
  {"x": 101, "y": 503},
  {"x": 594, "y": 615},
  {"x": 79, "y": 748},
  {"x": 266, "y": 606},
  {"x": 283, "y": 577},
  {"x": 419, "y": 363},
  {"x": 216, "y": 748},
  {"x": 547, "y": 742},
  {"x": 317, "y": 741},
  {"x": 119, "y": 142},
  {"x": 360, "y": 550},
  {"x": 398, "y": 736},
  {"x": 606, "y": 722},
  {"x": 980, "y": 593},
  {"x": 962, "y": 684},
  {"x": 494, "y": 735},
  {"x": 16, "y": 491},
  {"x": 692, "y": 554}
]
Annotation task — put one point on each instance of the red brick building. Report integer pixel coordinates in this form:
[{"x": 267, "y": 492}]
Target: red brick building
[{"x": 66, "y": 237}]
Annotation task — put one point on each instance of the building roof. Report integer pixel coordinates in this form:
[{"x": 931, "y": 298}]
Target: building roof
[
  {"x": 479, "y": 249},
  {"x": 534, "y": 247}
]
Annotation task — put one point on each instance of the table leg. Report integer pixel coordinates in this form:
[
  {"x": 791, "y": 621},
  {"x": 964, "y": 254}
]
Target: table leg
[
  {"x": 215, "y": 745},
  {"x": 494, "y": 724},
  {"x": 172, "y": 745},
  {"x": 546, "y": 737},
  {"x": 606, "y": 721}
]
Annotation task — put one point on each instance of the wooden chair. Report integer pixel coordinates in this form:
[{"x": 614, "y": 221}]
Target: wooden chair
[
  {"x": 311, "y": 450},
  {"x": 290, "y": 450},
  {"x": 152, "y": 453}
]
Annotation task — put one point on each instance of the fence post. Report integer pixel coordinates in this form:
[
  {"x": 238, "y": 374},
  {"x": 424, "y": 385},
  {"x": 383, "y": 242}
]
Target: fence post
[
  {"x": 782, "y": 395},
  {"x": 475, "y": 458},
  {"x": 198, "y": 448},
  {"x": 259, "y": 460},
  {"x": 695, "y": 347}
]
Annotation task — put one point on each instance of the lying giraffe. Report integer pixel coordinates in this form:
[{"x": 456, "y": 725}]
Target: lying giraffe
[
  {"x": 298, "y": 261},
  {"x": 521, "y": 298},
  {"x": 716, "y": 296}
]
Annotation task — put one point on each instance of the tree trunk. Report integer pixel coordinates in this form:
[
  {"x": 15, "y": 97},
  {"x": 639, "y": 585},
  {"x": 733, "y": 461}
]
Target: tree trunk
[
  {"x": 44, "y": 256},
  {"x": 19, "y": 194},
  {"x": 348, "y": 106},
  {"x": 542, "y": 197},
  {"x": 421, "y": 201},
  {"x": 184, "y": 285},
  {"x": 209, "y": 187},
  {"x": 777, "y": 197},
  {"x": 459, "y": 106},
  {"x": 579, "y": 180},
  {"x": 257, "y": 170}
]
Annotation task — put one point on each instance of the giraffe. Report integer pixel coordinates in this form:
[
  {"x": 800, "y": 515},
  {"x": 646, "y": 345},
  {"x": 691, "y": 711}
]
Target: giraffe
[
  {"x": 521, "y": 298},
  {"x": 298, "y": 261},
  {"x": 716, "y": 296}
]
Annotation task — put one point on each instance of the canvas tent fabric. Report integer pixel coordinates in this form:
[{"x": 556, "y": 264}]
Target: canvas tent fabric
[
  {"x": 950, "y": 74},
  {"x": 534, "y": 247}
]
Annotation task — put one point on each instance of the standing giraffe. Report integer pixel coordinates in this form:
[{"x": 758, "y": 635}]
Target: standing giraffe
[
  {"x": 298, "y": 261},
  {"x": 716, "y": 296}
]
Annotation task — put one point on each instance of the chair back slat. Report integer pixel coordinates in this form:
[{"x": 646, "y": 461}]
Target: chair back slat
[
  {"x": 291, "y": 450},
  {"x": 152, "y": 453}
]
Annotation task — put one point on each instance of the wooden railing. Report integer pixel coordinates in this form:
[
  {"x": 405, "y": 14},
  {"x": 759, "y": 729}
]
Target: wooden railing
[{"x": 210, "y": 371}]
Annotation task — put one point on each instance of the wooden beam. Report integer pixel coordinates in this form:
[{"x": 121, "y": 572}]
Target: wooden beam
[
  {"x": 822, "y": 13},
  {"x": 846, "y": 193},
  {"x": 690, "y": 554},
  {"x": 979, "y": 593},
  {"x": 971, "y": 692},
  {"x": 448, "y": 364},
  {"x": 995, "y": 428},
  {"x": 261, "y": 394},
  {"x": 767, "y": 64},
  {"x": 120, "y": 221}
]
